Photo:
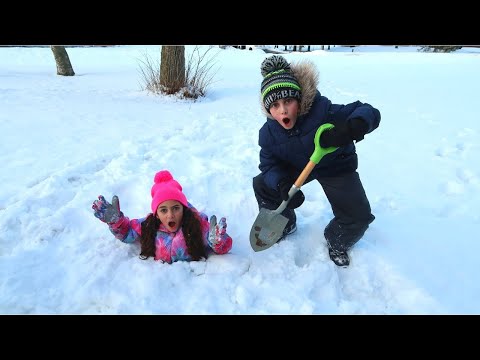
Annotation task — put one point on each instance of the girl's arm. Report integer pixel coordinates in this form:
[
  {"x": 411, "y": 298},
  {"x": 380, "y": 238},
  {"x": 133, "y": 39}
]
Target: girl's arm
[
  {"x": 126, "y": 230},
  {"x": 120, "y": 226}
]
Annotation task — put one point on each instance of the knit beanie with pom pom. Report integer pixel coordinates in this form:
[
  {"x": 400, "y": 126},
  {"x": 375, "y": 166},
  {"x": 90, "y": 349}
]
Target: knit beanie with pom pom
[
  {"x": 165, "y": 188},
  {"x": 278, "y": 81}
]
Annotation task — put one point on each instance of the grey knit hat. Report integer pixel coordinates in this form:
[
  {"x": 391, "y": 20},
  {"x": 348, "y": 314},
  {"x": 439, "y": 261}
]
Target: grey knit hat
[{"x": 278, "y": 81}]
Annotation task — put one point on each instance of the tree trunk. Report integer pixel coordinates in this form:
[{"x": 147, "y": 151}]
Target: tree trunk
[
  {"x": 64, "y": 67},
  {"x": 172, "y": 68}
]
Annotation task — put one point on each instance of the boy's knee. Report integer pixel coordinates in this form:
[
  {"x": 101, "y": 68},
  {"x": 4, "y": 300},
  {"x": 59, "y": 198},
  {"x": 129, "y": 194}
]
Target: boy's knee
[{"x": 258, "y": 182}]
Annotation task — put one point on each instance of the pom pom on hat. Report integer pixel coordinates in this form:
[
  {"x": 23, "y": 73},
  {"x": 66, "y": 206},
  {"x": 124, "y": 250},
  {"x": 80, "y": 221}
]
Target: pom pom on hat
[
  {"x": 274, "y": 63},
  {"x": 165, "y": 188},
  {"x": 163, "y": 176},
  {"x": 278, "y": 81}
]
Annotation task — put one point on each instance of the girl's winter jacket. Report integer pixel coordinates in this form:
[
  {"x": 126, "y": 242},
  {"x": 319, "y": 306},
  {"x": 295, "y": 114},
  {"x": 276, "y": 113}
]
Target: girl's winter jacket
[{"x": 170, "y": 246}]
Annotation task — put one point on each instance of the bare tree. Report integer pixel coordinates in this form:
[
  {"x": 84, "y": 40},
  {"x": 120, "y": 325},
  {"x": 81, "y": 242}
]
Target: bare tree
[
  {"x": 199, "y": 72},
  {"x": 64, "y": 67},
  {"x": 172, "y": 68}
]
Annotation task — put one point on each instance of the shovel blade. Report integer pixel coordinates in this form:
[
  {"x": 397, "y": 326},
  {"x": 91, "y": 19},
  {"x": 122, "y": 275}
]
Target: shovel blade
[{"x": 267, "y": 229}]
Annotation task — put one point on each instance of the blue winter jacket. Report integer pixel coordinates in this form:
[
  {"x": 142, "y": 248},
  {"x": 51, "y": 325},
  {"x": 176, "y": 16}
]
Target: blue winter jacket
[{"x": 284, "y": 153}]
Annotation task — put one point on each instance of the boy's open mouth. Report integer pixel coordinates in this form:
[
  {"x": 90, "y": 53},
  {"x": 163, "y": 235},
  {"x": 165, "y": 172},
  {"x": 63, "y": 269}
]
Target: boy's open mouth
[{"x": 286, "y": 121}]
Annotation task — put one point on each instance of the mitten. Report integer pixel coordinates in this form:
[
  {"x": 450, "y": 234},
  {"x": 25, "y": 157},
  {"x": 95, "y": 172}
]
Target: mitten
[
  {"x": 337, "y": 136},
  {"x": 106, "y": 212},
  {"x": 344, "y": 134},
  {"x": 358, "y": 128},
  {"x": 297, "y": 199}
]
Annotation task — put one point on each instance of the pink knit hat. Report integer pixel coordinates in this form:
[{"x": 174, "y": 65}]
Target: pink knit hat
[{"x": 165, "y": 188}]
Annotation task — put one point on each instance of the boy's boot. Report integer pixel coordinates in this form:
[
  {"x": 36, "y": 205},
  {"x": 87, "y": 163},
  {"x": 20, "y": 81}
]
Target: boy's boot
[{"x": 340, "y": 258}]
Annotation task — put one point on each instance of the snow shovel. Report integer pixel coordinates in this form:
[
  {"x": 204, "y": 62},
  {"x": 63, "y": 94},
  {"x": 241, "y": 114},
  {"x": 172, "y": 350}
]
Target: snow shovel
[{"x": 269, "y": 224}]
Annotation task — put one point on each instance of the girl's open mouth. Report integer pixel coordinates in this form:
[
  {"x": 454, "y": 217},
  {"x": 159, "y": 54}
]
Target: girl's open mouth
[{"x": 172, "y": 224}]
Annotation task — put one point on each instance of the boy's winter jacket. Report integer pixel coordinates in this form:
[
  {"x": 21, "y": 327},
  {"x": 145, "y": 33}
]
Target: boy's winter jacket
[{"x": 285, "y": 153}]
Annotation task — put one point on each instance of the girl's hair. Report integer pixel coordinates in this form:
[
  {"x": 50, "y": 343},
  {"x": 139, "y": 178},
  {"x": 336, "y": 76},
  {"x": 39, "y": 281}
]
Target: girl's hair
[{"x": 191, "y": 229}]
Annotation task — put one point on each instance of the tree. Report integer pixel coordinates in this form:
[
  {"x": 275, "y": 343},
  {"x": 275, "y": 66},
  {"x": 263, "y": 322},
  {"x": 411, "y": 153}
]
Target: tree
[
  {"x": 64, "y": 67},
  {"x": 172, "y": 69},
  {"x": 191, "y": 82}
]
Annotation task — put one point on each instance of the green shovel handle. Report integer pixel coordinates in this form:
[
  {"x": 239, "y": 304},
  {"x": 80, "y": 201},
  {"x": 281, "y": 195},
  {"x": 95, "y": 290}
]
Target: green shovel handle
[{"x": 320, "y": 152}]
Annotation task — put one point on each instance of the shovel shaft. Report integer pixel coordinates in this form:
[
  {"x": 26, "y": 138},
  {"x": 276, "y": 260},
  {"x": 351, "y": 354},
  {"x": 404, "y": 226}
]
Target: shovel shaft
[{"x": 304, "y": 175}]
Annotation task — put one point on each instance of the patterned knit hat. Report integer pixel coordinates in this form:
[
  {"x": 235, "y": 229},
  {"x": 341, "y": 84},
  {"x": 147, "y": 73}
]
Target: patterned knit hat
[
  {"x": 278, "y": 81},
  {"x": 165, "y": 188}
]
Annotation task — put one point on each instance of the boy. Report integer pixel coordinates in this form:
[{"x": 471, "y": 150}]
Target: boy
[{"x": 295, "y": 109}]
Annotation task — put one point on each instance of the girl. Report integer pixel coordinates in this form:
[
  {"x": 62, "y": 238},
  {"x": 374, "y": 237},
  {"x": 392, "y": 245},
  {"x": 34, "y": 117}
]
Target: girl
[{"x": 174, "y": 231}]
